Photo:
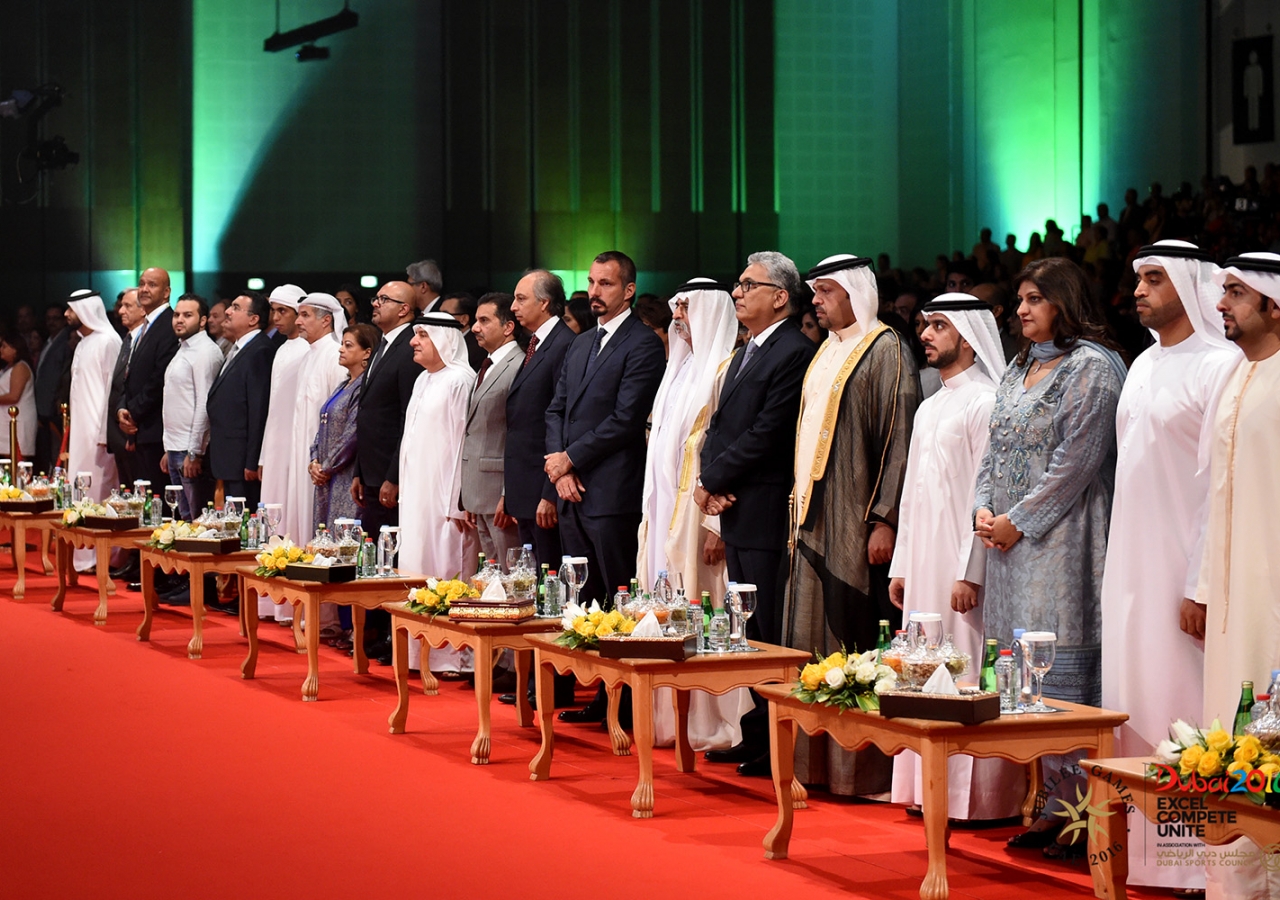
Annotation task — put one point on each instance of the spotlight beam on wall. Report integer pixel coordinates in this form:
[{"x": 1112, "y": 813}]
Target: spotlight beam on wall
[{"x": 308, "y": 33}]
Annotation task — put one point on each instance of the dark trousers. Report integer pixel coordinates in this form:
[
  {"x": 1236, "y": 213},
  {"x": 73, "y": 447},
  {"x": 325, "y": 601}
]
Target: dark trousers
[
  {"x": 373, "y": 515},
  {"x": 148, "y": 466},
  {"x": 546, "y": 542},
  {"x": 48, "y": 443},
  {"x": 609, "y": 543},
  {"x": 764, "y": 569},
  {"x": 251, "y": 491},
  {"x": 126, "y": 468}
]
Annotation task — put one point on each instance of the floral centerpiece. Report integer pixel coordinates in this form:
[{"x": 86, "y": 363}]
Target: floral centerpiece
[
  {"x": 277, "y": 554},
  {"x": 1216, "y": 762},
  {"x": 9, "y": 492},
  {"x": 583, "y": 628},
  {"x": 439, "y": 593},
  {"x": 76, "y": 513},
  {"x": 163, "y": 538},
  {"x": 845, "y": 680}
]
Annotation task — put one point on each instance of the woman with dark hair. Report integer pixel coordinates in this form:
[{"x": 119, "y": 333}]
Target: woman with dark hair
[
  {"x": 17, "y": 388},
  {"x": 1044, "y": 488},
  {"x": 809, "y": 325},
  {"x": 355, "y": 303},
  {"x": 577, "y": 313},
  {"x": 333, "y": 452}
]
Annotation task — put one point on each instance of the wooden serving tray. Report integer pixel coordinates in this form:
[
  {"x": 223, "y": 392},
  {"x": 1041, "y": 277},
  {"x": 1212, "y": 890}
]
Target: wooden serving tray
[
  {"x": 217, "y": 546},
  {"x": 323, "y": 574},
  {"x": 968, "y": 708},
  {"x": 103, "y": 523},
  {"x": 28, "y": 506},
  {"x": 477, "y": 611},
  {"x": 676, "y": 649}
]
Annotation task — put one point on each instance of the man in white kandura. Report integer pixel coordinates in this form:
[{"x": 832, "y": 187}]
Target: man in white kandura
[
  {"x": 434, "y": 539},
  {"x": 91, "y": 367},
  {"x": 1239, "y": 579},
  {"x": 275, "y": 459},
  {"x": 321, "y": 321},
  {"x": 1157, "y": 518},
  {"x": 675, "y": 535},
  {"x": 938, "y": 562}
]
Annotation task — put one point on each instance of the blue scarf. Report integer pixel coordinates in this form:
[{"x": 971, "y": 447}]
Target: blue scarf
[{"x": 1046, "y": 351}]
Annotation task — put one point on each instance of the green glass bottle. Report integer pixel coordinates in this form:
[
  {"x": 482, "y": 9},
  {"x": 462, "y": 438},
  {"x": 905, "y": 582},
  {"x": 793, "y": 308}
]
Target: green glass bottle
[
  {"x": 987, "y": 680},
  {"x": 707, "y": 612},
  {"x": 1244, "y": 712},
  {"x": 885, "y": 639}
]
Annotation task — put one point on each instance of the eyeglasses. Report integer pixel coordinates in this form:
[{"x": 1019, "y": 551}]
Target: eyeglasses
[
  {"x": 383, "y": 298},
  {"x": 748, "y": 285}
]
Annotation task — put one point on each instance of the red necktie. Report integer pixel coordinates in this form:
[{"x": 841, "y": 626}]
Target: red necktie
[
  {"x": 484, "y": 367},
  {"x": 528, "y": 354}
]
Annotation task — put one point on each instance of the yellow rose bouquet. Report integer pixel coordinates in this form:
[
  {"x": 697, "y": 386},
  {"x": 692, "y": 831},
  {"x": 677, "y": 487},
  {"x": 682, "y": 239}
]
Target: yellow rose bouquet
[
  {"x": 9, "y": 492},
  {"x": 845, "y": 680},
  {"x": 277, "y": 554},
  {"x": 583, "y": 627},
  {"x": 1216, "y": 762},
  {"x": 164, "y": 537},
  {"x": 76, "y": 513},
  {"x": 439, "y": 593}
]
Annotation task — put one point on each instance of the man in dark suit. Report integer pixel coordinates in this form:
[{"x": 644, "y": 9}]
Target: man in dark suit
[
  {"x": 53, "y": 373},
  {"x": 120, "y": 445},
  {"x": 237, "y": 404},
  {"x": 528, "y": 496},
  {"x": 384, "y": 398},
  {"x": 748, "y": 460},
  {"x": 140, "y": 413},
  {"x": 596, "y": 435}
]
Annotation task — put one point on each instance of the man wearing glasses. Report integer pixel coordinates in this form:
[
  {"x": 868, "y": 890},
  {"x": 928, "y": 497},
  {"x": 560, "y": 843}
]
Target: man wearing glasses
[
  {"x": 384, "y": 397},
  {"x": 747, "y": 461}
]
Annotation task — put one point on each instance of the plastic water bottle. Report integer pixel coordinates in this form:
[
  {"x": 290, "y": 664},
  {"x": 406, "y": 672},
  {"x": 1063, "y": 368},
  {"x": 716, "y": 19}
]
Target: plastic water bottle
[
  {"x": 368, "y": 558},
  {"x": 251, "y": 533},
  {"x": 662, "y": 589},
  {"x": 552, "y": 595},
  {"x": 695, "y": 621},
  {"x": 1260, "y": 708},
  {"x": 526, "y": 558},
  {"x": 719, "y": 635},
  {"x": 1024, "y": 676},
  {"x": 357, "y": 531},
  {"x": 1008, "y": 682}
]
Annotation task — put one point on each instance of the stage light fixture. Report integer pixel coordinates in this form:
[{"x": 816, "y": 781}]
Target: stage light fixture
[
  {"x": 368, "y": 281},
  {"x": 255, "y": 284},
  {"x": 310, "y": 52},
  {"x": 308, "y": 34}
]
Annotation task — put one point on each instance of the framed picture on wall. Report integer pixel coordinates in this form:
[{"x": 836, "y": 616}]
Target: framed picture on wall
[{"x": 1253, "y": 89}]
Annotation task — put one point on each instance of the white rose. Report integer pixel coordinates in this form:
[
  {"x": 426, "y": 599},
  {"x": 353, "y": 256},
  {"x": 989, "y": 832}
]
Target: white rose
[
  {"x": 1183, "y": 734},
  {"x": 866, "y": 673},
  {"x": 166, "y": 536},
  {"x": 834, "y": 678},
  {"x": 884, "y": 684},
  {"x": 1168, "y": 752}
]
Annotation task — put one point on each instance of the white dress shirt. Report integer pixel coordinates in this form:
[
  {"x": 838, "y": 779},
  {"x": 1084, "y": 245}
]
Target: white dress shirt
[
  {"x": 187, "y": 380},
  {"x": 611, "y": 327}
]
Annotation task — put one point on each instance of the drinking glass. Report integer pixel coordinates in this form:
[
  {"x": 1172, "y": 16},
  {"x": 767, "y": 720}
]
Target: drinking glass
[
  {"x": 513, "y": 558},
  {"x": 24, "y": 474},
  {"x": 742, "y": 600},
  {"x": 570, "y": 578},
  {"x": 578, "y": 565},
  {"x": 275, "y": 515},
  {"x": 930, "y": 630},
  {"x": 718, "y": 636},
  {"x": 1039, "y": 649},
  {"x": 233, "y": 509},
  {"x": 388, "y": 547},
  {"x": 84, "y": 481},
  {"x": 173, "y": 496}
]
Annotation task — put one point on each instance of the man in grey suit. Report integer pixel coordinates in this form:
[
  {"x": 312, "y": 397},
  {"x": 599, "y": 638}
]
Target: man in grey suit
[{"x": 485, "y": 440}]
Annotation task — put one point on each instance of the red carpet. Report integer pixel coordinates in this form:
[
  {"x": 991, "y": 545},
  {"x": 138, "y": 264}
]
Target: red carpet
[{"x": 131, "y": 771}]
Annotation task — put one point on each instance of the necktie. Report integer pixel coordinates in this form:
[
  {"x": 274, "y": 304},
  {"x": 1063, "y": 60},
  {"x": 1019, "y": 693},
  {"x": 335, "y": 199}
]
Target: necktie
[
  {"x": 595, "y": 347},
  {"x": 528, "y": 354},
  {"x": 126, "y": 353},
  {"x": 226, "y": 363},
  {"x": 382, "y": 348},
  {"x": 484, "y": 367},
  {"x": 746, "y": 357}
]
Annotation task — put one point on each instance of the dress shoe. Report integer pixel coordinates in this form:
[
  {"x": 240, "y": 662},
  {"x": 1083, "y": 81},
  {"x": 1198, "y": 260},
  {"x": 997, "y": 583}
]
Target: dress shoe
[
  {"x": 759, "y": 767},
  {"x": 231, "y": 607},
  {"x": 177, "y": 598},
  {"x": 504, "y": 681},
  {"x": 135, "y": 586},
  {"x": 379, "y": 651},
  {"x": 508, "y": 699},
  {"x": 127, "y": 572},
  {"x": 738, "y": 753},
  {"x": 587, "y": 715}
]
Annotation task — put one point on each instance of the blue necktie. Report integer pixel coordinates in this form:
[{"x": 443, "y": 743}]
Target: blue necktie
[
  {"x": 747, "y": 353},
  {"x": 595, "y": 348}
]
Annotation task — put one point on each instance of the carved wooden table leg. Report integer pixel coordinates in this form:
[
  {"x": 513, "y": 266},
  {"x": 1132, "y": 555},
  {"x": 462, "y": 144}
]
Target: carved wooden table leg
[
  {"x": 18, "y": 534},
  {"x": 400, "y": 668},
  {"x": 642, "y": 724},
  {"x": 44, "y": 551},
  {"x": 782, "y": 743},
  {"x": 933, "y": 760},
  {"x": 524, "y": 712},
  {"x": 311, "y": 686},
  {"x": 147, "y": 572},
  {"x": 358, "y": 657},
  {"x": 299, "y": 629},
  {"x": 195, "y": 577},
  {"x": 243, "y": 601},
  {"x": 430, "y": 684},
  {"x": 685, "y": 757},
  {"x": 249, "y": 604},
  {"x": 545, "y": 675},
  {"x": 62, "y": 553},
  {"x": 483, "y": 656},
  {"x": 1035, "y": 781},
  {"x": 621, "y": 743},
  {"x": 102, "y": 549}
]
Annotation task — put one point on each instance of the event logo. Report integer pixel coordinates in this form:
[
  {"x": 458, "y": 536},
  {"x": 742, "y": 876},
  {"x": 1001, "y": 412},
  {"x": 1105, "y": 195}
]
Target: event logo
[
  {"x": 1083, "y": 818},
  {"x": 1241, "y": 781}
]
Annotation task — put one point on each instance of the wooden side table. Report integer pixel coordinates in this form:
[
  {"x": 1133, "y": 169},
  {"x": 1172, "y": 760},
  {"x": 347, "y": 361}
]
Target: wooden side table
[
  {"x": 70, "y": 537},
  {"x": 360, "y": 595},
  {"x": 19, "y": 523},
  {"x": 1021, "y": 738},
  {"x": 715, "y": 673},
  {"x": 1122, "y": 783},
  {"x": 196, "y": 565},
  {"x": 484, "y": 638}
]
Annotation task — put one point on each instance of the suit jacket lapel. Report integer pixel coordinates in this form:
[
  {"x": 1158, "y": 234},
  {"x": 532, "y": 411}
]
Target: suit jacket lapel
[
  {"x": 234, "y": 362},
  {"x": 737, "y": 369},
  {"x": 616, "y": 340},
  {"x": 492, "y": 377}
]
